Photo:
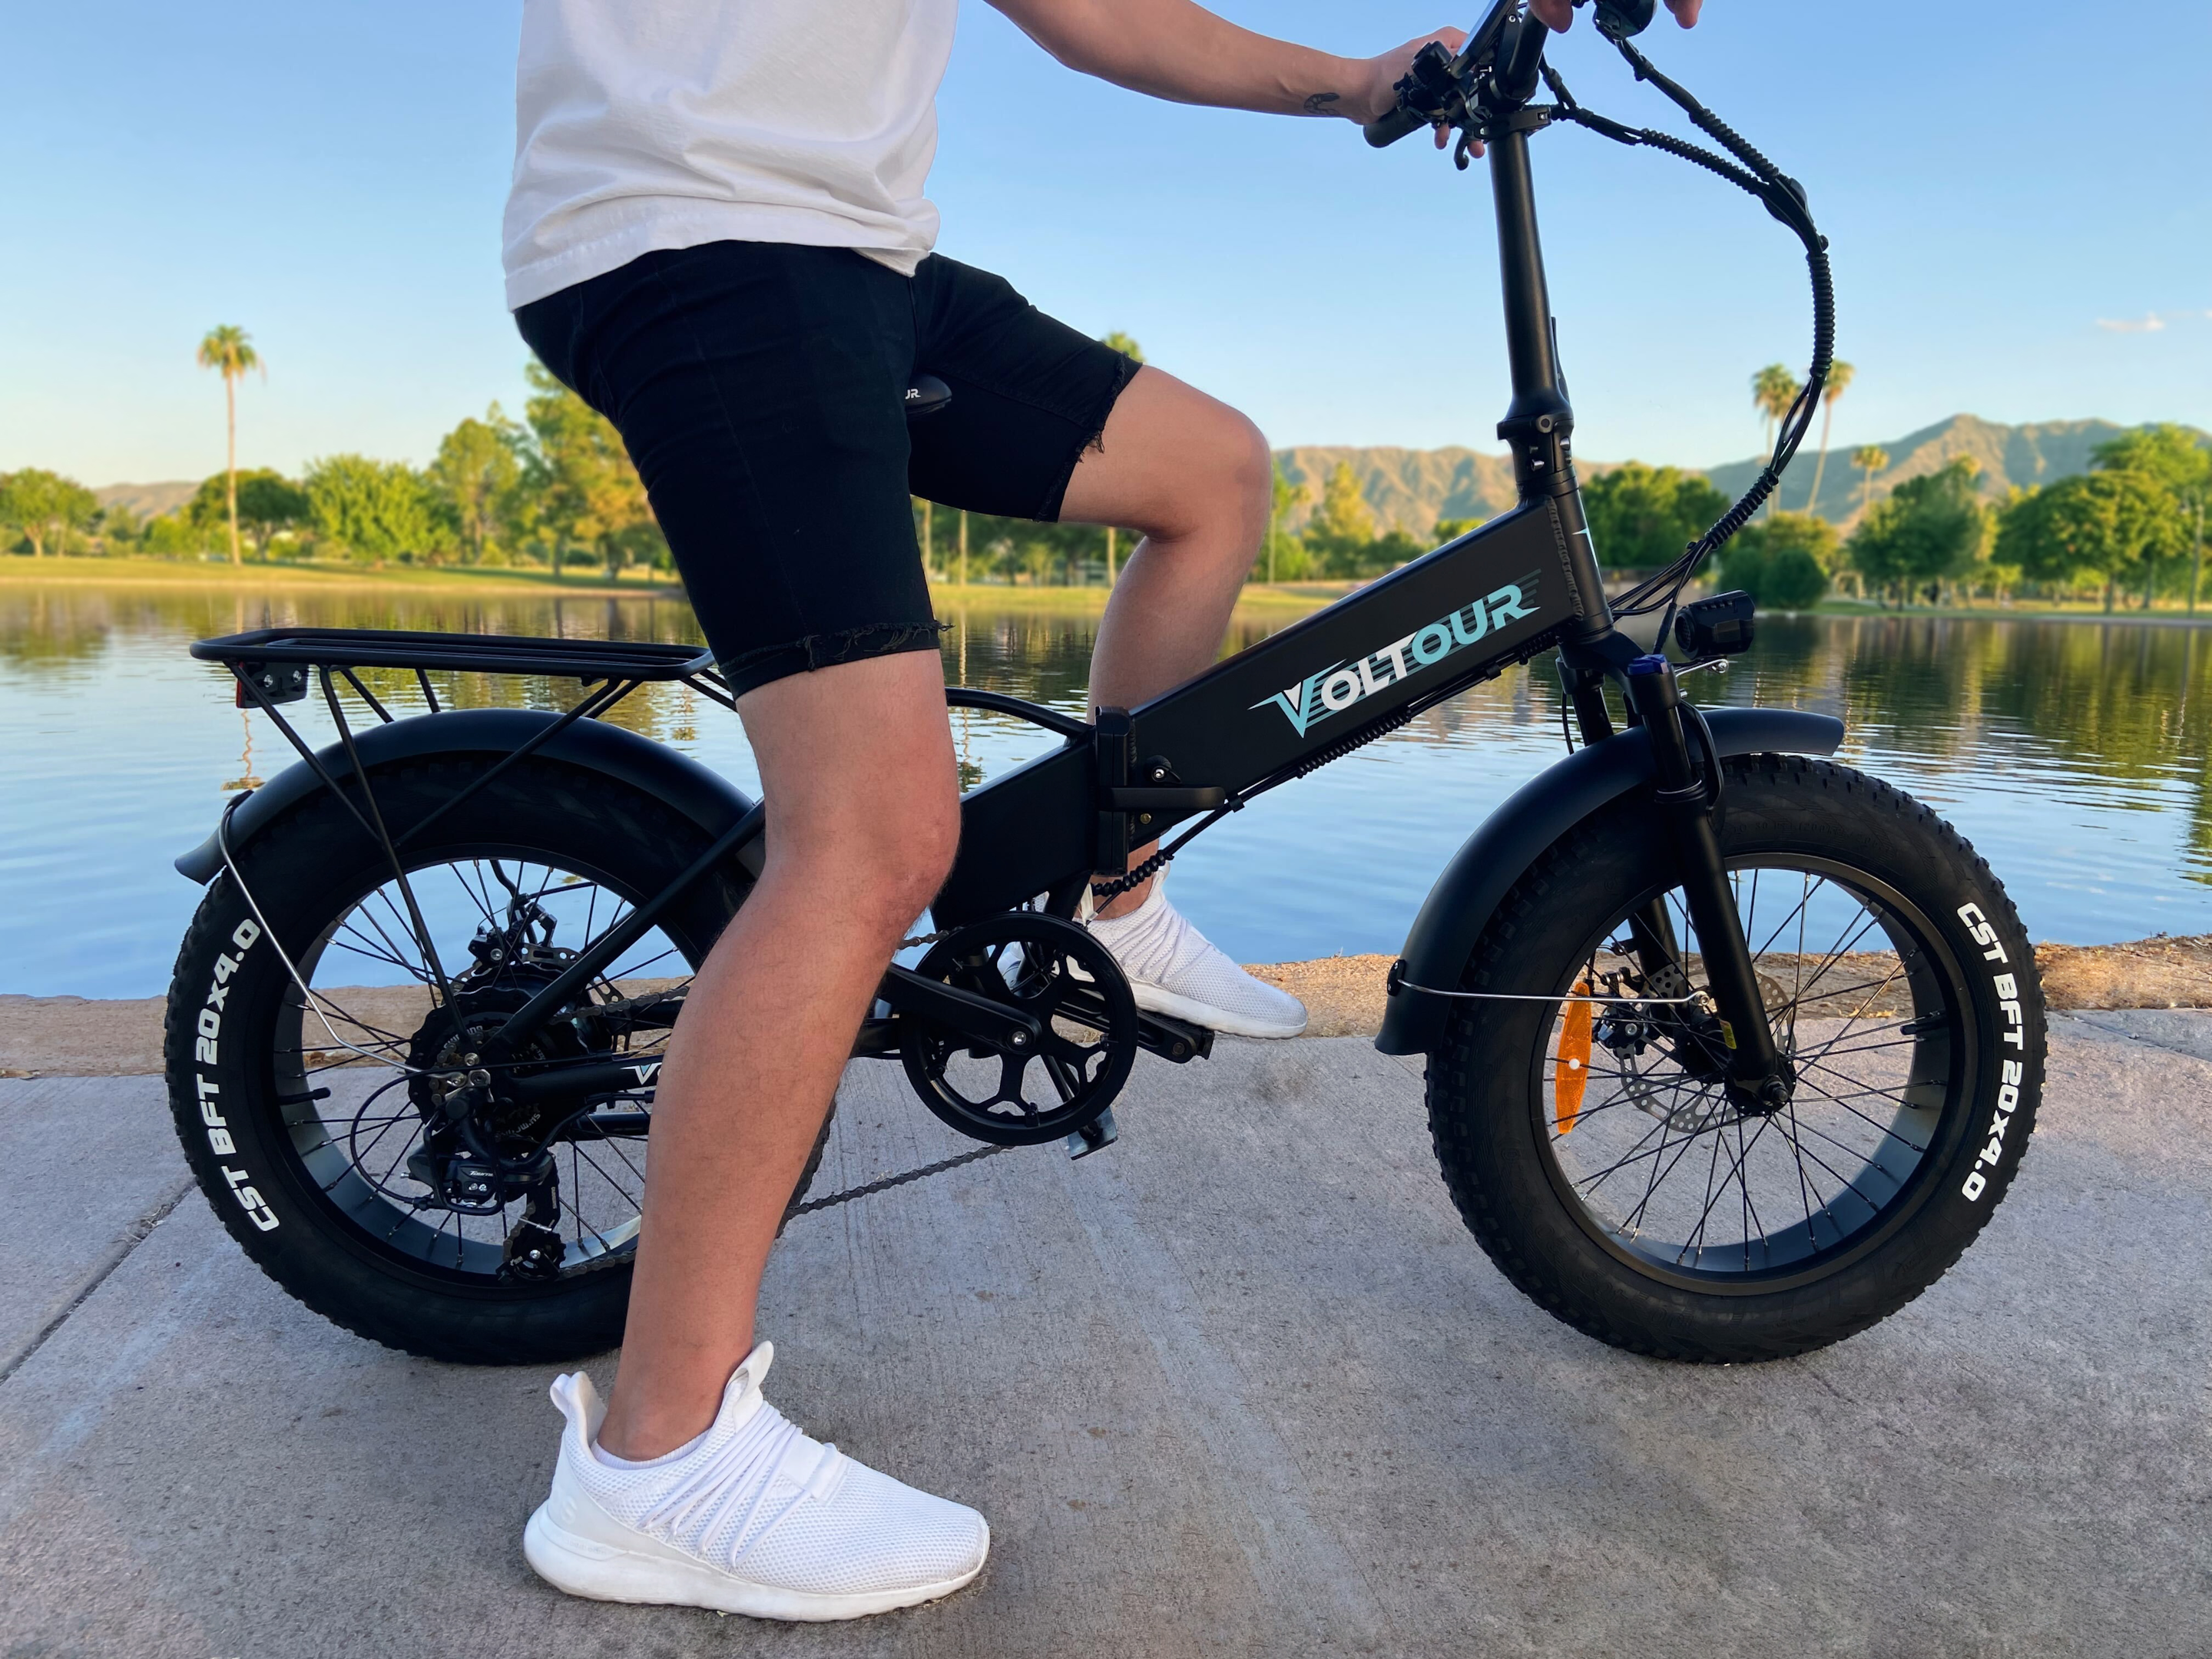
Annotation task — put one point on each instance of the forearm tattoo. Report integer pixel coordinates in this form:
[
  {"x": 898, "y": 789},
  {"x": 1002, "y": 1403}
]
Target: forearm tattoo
[{"x": 1322, "y": 103}]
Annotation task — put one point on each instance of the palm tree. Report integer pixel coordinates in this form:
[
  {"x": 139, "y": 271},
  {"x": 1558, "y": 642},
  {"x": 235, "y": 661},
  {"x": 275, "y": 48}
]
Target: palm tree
[
  {"x": 230, "y": 349},
  {"x": 1870, "y": 458},
  {"x": 1773, "y": 390},
  {"x": 1838, "y": 383}
]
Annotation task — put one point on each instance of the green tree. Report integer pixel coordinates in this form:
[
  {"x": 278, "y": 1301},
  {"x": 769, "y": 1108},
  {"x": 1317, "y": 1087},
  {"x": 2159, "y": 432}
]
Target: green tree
[
  {"x": 1286, "y": 554},
  {"x": 2170, "y": 460},
  {"x": 2091, "y": 524},
  {"x": 1341, "y": 532},
  {"x": 1931, "y": 529},
  {"x": 1640, "y": 516},
  {"x": 45, "y": 509},
  {"x": 476, "y": 470},
  {"x": 1870, "y": 458},
  {"x": 1783, "y": 563},
  {"x": 375, "y": 510},
  {"x": 1840, "y": 375},
  {"x": 589, "y": 496},
  {"x": 269, "y": 503},
  {"x": 117, "y": 527},
  {"x": 1343, "y": 514},
  {"x": 230, "y": 351},
  {"x": 262, "y": 502}
]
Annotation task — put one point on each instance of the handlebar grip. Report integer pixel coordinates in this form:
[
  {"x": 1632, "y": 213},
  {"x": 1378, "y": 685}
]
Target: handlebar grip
[{"x": 1400, "y": 122}]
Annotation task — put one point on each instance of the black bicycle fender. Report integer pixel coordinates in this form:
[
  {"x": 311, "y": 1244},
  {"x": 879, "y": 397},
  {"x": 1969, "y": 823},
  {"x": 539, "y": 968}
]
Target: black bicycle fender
[
  {"x": 678, "y": 782},
  {"x": 1459, "y": 906}
]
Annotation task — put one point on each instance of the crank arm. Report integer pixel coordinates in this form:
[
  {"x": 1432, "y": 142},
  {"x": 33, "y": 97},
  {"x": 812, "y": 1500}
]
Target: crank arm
[
  {"x": 978, "y": 1017},
  {"x": 1171, "y": 1039}
]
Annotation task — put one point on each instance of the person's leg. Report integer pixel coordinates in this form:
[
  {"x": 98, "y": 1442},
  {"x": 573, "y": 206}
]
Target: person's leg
[
  {"x": 1196, "y": 478},
  {"x": 857, "y": 770}
]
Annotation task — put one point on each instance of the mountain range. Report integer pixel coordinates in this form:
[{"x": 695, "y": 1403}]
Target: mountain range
[{"x": 1410, "y": 489}]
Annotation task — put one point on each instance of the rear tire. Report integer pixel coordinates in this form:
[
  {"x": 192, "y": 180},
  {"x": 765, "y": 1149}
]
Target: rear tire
[
  {"x": 260, "y": 1094},
  {"x": 1917, "y": 1083}
]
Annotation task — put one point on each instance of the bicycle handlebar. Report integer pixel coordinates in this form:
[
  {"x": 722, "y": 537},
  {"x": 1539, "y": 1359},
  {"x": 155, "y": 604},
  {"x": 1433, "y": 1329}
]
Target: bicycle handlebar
[
  {"x": 1508, "y": 42},
  {"x": 1400, "y": 122}
]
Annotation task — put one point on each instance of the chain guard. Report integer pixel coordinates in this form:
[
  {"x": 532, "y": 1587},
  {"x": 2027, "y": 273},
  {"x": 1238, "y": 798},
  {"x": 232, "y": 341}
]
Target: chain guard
[{"x": 1058, "y": 974}]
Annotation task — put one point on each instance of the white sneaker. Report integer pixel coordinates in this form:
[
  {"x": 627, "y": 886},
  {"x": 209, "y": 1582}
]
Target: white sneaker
[
  {"x": 1175, "y": 970},
  {"x": 751, "y": 1517}
]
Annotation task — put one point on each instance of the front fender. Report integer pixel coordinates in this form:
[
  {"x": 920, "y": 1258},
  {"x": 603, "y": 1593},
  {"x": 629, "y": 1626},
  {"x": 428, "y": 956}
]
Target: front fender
[
  {"x": 678, "y": 781},
  {"x": 1459, "y": 906}
]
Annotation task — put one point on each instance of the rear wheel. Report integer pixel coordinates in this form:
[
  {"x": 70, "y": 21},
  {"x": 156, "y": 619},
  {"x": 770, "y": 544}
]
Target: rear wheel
[
  {"x": 1585, "y": 1134},
  {"x": 314, "y": 1120}
]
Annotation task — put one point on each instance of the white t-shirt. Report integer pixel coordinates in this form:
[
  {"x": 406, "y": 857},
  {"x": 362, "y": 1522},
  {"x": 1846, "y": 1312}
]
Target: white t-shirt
[{"x": 643, "y": 125}]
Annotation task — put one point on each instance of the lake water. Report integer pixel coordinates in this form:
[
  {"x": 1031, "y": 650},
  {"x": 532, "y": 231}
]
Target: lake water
[{"x": 2074, "y": 754}]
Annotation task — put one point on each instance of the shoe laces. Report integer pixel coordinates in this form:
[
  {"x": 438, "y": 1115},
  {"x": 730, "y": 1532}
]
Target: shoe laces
[{"x": 741, "y": 1488}]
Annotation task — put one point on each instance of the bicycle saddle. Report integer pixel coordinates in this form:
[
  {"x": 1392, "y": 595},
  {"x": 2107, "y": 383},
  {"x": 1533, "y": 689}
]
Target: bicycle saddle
[{"x": 926, "y": 396}]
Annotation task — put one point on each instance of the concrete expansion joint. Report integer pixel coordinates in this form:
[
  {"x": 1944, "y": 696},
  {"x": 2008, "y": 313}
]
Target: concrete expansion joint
[
  {"x": 131, "y": 1238},
  {"x": 2085, "y": 1019}
]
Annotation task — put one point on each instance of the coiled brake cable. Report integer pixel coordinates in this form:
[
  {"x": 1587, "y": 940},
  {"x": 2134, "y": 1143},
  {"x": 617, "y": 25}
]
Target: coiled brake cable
[{"x": 1784, "y": 197}]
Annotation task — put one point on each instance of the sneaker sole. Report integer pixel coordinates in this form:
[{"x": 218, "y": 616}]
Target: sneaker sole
[
  {"x": 1153, "y": 1000},
  {"x": 647, "y": 1573}
]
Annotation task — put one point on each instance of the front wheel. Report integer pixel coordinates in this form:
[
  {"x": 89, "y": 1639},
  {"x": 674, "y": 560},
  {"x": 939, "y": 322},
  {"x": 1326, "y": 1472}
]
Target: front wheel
[{"x": 1585, "y": 1132}]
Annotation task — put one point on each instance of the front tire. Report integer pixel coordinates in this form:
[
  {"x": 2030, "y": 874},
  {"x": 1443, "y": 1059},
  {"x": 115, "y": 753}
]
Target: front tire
[{"x": 1588, "y": 1145}]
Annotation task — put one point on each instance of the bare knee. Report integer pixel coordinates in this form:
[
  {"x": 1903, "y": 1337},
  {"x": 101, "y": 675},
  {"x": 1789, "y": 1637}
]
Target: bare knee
[
  {"x": 1250, "y": 468},
  {"x": 1225, "y": 481},
  {"x": 873, "y": 870}
]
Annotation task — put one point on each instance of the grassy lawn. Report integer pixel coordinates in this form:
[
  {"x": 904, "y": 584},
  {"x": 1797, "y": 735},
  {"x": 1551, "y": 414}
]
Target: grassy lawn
[
  {"x": 1294, "y": 599},
  {"x": 2170, "y": 614},
  {"x": 281, "y": 577}
]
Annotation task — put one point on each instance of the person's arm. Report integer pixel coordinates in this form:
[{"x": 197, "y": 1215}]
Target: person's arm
[{"x": 1179, "y": 50}]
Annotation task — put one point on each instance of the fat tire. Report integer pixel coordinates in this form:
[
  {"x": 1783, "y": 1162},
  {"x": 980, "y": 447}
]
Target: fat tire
[
  {"x": 1483, "y": 1123},
  {"x": 224, "y": 999}
]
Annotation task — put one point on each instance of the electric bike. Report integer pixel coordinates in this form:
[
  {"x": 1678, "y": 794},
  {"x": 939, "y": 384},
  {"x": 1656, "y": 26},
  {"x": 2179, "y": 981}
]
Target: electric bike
[{"x": 1731, "y": 1049}]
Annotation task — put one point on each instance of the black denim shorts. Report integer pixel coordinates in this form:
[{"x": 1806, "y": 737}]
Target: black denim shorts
[{"x": 761, "y": 390}]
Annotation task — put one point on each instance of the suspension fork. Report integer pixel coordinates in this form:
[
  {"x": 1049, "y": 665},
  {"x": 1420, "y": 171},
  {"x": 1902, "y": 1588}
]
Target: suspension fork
[
  {"x": 1757, "y": 1077},
  {"x": 1582, "y": 679}
]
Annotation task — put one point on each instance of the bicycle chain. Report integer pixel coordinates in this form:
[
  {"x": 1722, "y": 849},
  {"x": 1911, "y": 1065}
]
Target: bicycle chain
[{"x": 975, "y": 1155}]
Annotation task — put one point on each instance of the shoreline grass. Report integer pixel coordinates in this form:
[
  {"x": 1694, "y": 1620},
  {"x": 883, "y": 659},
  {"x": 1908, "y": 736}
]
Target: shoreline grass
[
  {"x": 2089, "y": 611},
  {"x": 277, "y": 577},
  {"x": 435, "y": 581},
  {"x": 281, "y": 576}
]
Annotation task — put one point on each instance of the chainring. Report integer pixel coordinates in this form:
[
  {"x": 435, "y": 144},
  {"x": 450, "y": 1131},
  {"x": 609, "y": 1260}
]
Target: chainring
[{"x": 1055, "y": 972}]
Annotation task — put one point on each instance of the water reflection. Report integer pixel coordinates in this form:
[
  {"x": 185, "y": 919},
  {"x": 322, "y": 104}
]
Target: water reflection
[{"x": 2074, "y": 754}]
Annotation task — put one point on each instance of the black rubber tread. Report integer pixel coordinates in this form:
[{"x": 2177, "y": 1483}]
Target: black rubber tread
[
  {"x": 304, "y": 868},
  {"x": 1472, "y": 1099}
]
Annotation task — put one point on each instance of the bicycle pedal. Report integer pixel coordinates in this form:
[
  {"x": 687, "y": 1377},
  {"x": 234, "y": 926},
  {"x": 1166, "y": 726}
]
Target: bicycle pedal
[{"x": 1094, "y": 1136}]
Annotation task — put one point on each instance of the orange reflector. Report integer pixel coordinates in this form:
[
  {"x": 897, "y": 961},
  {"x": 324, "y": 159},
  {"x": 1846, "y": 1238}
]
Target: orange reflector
[{"x": 1570, "y": 1076}]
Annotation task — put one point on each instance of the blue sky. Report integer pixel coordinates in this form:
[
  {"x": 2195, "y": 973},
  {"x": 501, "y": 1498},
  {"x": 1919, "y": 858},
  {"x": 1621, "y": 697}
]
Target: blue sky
[{"x": 2014, "y": 195}]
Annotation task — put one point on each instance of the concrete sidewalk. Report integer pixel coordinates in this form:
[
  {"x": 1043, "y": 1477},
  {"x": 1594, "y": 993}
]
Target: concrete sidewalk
[{"x": 1242, "y": 1384}]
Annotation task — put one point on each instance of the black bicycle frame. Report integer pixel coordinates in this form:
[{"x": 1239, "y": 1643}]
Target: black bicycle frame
[
  {"x": 1486, "y": 602},
  {"x": 1492, "y": 599}
]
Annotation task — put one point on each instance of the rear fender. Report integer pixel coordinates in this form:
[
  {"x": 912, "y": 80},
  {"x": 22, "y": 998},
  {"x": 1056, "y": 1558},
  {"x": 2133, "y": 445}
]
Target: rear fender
[
  {"x": 488, "y": 735},
  {"x": 1460, "y": 906}
]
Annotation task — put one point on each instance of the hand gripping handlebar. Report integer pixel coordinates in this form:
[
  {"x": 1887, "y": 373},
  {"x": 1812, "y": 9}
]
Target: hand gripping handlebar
[{"x": 1509, "y": 42}]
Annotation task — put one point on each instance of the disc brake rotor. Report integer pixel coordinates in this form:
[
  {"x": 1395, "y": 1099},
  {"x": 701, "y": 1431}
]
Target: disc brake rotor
[{"x": 1061, "y": 976}]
